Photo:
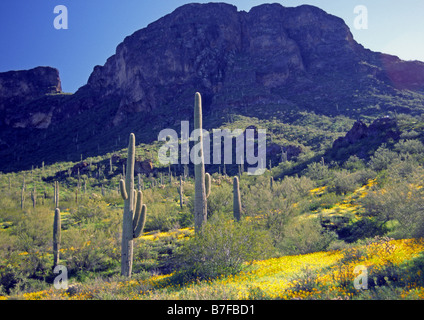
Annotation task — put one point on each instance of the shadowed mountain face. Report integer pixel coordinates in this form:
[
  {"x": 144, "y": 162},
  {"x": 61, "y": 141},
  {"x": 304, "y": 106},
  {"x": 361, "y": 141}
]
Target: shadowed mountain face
[
  {"x": 269, "y": 60},
  {"x": 19, "y": 87}
]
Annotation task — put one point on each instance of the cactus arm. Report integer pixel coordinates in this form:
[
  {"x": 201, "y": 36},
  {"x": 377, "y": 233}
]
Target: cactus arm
[
  {"x": 135, "y": 201},
  {"x": 141, "y": 222},
  {"x": 138, "y": 207},
  {"x": 123, "y": 189}
]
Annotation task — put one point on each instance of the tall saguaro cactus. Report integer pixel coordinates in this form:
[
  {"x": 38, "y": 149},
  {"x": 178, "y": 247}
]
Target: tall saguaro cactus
[
  {"x": 180, "y": 190},
  {"x": 34, "y": 197},
  {"x": 56, "y": 237},
  {"x": 56, "y": 226},
  {"x": 236, "y": 199},
  {"x": 23, "y": 194},
  {"x": 134, "y": 212},
  {"x": 200, "y": 201}
]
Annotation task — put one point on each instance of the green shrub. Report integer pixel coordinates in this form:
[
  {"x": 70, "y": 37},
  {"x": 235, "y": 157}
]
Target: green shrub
[
  {"x": 317, "y": 171},
  {"x": 162, "y": 216},
  {"x": 90, "y": 211},
  {"x": 325, "y": 201},
  {"x": 346, "y": 182},
  {"x": 409, "y": 147},
  {"x": 87, "y": 249},
  {"x": 304, "y": 235},
  {"x": 221, "y": 248},
  {"x": 407, "y": 169},
  {"x": 401, "y": 202},
  {"x": 382, "y": 158},
  {"x": 259, "y": 199},
  {"x": 220, "y": 199},
  {"x": 354, "y": 163},
  {"x": 366, "y": 227},
  {"x": 293, "y": 188}
]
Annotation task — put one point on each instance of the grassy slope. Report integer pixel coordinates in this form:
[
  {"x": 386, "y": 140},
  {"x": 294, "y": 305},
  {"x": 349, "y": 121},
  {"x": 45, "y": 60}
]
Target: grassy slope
[
  {"x": 320, "y": 275},
  {"x": 284, "y": 277}
]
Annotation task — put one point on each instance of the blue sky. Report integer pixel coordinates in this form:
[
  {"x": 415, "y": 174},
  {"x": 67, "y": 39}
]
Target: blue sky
[{"x": 95, "y": 28}]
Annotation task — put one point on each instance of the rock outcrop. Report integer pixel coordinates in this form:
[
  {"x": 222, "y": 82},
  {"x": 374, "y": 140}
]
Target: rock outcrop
[
  {"x": 17, "y": 87},
  {"x": 20, "y": 87},
  {"x": 361, "y": 139}
]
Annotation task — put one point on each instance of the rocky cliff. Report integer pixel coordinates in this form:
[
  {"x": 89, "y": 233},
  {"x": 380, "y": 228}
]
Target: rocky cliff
[
  {"x": 236, "y": 58},
  {"x": 216, "y": 50},
  {"x": 20, "y": 87},
  {"x": 17, "y": 87}
]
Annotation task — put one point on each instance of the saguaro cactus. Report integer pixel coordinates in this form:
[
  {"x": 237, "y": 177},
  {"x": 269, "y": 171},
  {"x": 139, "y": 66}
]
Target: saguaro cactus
[
  {"x": 34, "y": 197},
  {"x": 23, "y": 194},
  {"x": 134, "y": 212},
  {"x": 56, "y": 236},
  {"x": 200, "y": 201},
  {"x": 236, "y": 199},
  {"x": 181, "y": 192},
  {"x": 56, "y": 194}
]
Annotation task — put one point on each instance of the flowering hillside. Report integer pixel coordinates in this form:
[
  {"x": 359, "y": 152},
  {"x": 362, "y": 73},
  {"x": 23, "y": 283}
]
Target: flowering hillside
[{"x": 394, "y": 270}]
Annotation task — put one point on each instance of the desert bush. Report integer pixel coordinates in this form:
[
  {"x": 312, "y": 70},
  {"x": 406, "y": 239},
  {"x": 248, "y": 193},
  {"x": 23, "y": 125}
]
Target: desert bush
[
  {"x": 161, "y": 216},
  {"x": 318, "y": 171},
  {"x": 220, "y": 199},
  {"x": 347, "y": 182},
  {"x": 366, "y": 227},
  {"x": 354, "y": 163},
  {"x": 33, "y": 236},
  {"x": 402, "y": 202},
  {"x": 406, "y": 170},
  {"x": 221, "y": 248},
  {"x": 86, "y": 249},
  {"x": 293, "y": 188},
  {"x": 304, "y": 235},
  {"x": 382, "y": 158},
  {"x": 409, "y": 147},
  {"x": 259, "y": 199},
  {"x": 325, "y": 201},
  {"x": 90, "y": 211},
  {"x": 275, "y": 220},
  {"x": 344, "y": 182}
]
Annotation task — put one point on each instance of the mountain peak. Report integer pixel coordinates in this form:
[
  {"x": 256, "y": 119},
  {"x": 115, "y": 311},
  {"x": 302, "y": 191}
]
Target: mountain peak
[{"x": 206, "y": 46}]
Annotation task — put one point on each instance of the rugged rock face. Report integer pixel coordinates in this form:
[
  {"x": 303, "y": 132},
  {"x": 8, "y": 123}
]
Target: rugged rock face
[
  {"x": 17, "y": 87},
  {"x": 362, "y": 138},
  {"x": 216, "y": 50},
  {"x": 210, "y": 48},
  {"x": 20, "y": 87}
]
